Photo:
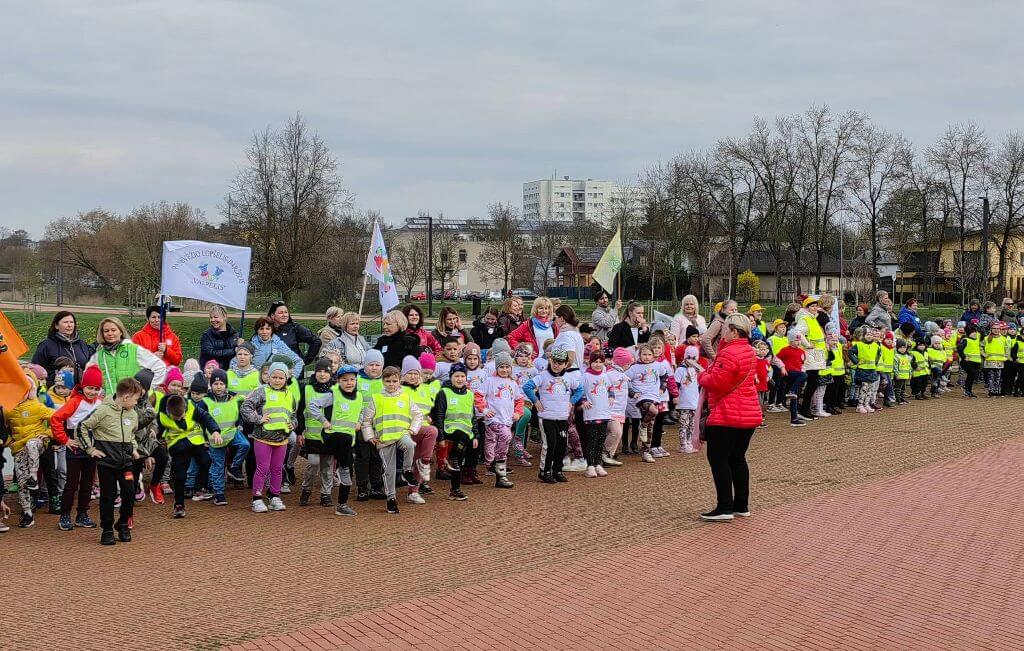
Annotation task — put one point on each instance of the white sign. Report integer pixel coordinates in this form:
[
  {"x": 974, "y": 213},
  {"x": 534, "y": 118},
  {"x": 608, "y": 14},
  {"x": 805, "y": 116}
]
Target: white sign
[
  {"x": 378, "y": 266},
  {"x": 218, "y": 273}
]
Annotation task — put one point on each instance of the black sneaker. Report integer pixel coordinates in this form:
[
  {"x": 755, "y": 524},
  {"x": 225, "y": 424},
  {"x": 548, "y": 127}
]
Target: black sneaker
[
  {"x": 189, "y": 493},
  {"x": 304, "y": 498},
  {"x": 220, "y": 500},
  {"x": 377, "y": 495},
  {"x": 26, "y": 521},
  {"x": 797, "y": 423},
  {"x": 717, "y": 516},
  {"x": 425, "y": 489},
  {"x": 362, "y": 496},
  {"x": 107, "y": 538},
  {"x": 124, "y": 534},
  {"x": 410, "y": 478},
  {"x": 325, "y": 500},
  {"x": 457, "y": 495},
  {"x": 393, "y": 506},
  {"x": 560, "y": 478},
  {"x": 32, "y": 484},
  {"x": 547, "y": 479}
]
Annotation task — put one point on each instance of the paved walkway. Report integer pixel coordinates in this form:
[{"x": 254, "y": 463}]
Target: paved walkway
[
  {"x": 933, "y": 559},
  {"x": 224, "y": 575}
]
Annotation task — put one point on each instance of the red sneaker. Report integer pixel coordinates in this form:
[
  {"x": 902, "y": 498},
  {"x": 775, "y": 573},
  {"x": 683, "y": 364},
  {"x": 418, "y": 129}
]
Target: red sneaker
[{"x": 156, "y": 494}]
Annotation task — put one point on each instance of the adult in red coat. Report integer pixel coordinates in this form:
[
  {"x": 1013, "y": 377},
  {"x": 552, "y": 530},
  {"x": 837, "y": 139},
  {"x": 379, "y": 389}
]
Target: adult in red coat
[
  {"x": 166, "y": 347},
  {"x": 414, "y": 315},
  {"x": 734, "y": 414},
  {"x": 537, "y": 329}
]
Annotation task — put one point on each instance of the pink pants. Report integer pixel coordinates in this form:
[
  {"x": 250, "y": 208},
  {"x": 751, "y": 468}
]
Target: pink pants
[
  {"x": 496, "y": 443},
  {"x": 269, "y": 463},
  {"x": 425, "y": 440},
  {"x": 611, "y": 441}
]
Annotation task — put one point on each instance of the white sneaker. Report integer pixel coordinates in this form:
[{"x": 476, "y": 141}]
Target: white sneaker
[
  {"x": 664, "y": 453},
  {"x": 601, "y": 472},
  {"x": 861, "y": 409},
  {"x": 647, "y": 457},
  {"x": 415, "y": 498},
  {"x": 590, "y": 473},
  {"x": 577, "y": 465},
  {"x": 259, "y": 506},
  {"x": 608, "y": 461},
  {"x": 687, "y": 448},
  {"x": 276, "y": 504},
  {"x": 742, "y": 514},
  {"x": 286, "y": 488}
]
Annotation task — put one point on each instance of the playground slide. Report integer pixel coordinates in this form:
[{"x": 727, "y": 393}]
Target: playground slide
[{"x": 13, "y": 383}]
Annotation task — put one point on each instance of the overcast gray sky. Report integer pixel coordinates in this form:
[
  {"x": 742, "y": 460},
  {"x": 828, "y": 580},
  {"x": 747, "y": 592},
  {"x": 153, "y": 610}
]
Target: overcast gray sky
[{"x": 452, "y": 105}]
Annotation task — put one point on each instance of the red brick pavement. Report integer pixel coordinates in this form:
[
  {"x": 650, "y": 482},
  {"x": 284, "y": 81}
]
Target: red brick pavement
[{"x": 932, "y": 559}]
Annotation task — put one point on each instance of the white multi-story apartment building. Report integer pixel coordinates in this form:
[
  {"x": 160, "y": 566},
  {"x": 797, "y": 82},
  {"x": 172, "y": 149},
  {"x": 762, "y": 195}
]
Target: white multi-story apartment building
[{"x": 565, "y": 199}]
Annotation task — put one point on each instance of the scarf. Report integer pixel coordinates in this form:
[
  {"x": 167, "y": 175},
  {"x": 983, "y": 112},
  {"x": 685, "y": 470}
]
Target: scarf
[
  {"x": 540, "y": 325},
  {"x": 321, "y": 387}
]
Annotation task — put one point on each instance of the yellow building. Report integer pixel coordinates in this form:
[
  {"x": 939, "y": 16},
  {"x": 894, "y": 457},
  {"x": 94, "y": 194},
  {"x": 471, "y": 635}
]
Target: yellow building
[{"x": 954, "y": 278}]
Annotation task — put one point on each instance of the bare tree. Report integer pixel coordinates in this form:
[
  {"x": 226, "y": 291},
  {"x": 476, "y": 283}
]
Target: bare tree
[
  {"x": 503, "y": 243},
  {"x": 407, "y": 255},
  {"x": 959, "y": 158},
  {"x": 286, "y": 199},
  {"x": 879, "y": 159},
  {"x": 547, "y": 240},
  {"x": 1005, "y": 173},
  {"x": 446, "y": 252}
]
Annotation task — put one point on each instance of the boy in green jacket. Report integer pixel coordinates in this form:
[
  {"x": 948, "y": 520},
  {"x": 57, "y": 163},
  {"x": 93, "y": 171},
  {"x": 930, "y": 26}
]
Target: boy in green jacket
[{"x": 108, "y": 434}]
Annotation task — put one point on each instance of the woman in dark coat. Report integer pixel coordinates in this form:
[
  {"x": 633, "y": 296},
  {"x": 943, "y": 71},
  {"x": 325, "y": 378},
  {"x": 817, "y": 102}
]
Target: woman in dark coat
[
  {"x": 63, "y": 341},
  {"x": 396, "y": 342}
]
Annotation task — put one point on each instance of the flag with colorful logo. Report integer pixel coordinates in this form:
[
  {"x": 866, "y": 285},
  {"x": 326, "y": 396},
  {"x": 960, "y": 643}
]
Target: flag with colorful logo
[
  {"x": 378, "y": 267},
  {"x": 218, "y": 273},
  {"x": 610, "y": 264}
]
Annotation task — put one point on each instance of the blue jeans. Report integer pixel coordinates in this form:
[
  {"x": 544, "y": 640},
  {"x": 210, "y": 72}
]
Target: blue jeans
[
  {"x": 796, "y": 383},
  {"x": 240, "y": 444},
  {"x": 890, "y": 391}
]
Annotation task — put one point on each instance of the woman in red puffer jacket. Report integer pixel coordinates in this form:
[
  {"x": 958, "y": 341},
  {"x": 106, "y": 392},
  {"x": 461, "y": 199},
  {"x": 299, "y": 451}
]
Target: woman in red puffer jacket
[{"x": 734, "y": 414}]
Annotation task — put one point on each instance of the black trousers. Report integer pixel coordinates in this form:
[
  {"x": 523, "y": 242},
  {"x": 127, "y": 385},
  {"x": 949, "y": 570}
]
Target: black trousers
[
  {"x": 813, "y": 380},
  {"x": 556, "y": 433},
  {"x": 1011, "y": 374},
  {"x": 159, "y": 455},
  {"x": 658, "y": 430},
  {"x": 972, "y": 369},
  {"x": 727, "y": 450},
  {"x": 594, "y": 434},
  {"x": 112, "y": 479},
  {"x": 79, "y": 481},
  {"x": 369, "y": 469},
  {"x": 182, "y": 454},
  {"x": 458, "y": 455}
]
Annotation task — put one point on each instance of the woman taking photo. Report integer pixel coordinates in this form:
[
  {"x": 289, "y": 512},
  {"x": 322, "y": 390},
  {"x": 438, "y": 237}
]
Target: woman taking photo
[
  {"x": 349, "y": 345},
  {"x": 62, "y": 340},
  {"x": 219, "y": 341},
  {"x": 119, "y": 357},
  {"x": 396, "y": 343},
  {"x": 414, "y": 315},
  {"x": 734, "y": 414}
]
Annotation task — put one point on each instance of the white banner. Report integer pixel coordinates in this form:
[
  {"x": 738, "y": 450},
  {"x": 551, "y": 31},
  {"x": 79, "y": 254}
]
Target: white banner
[
  {"x": 378, "y": 266},
  {"x": 218, "y": 273}
]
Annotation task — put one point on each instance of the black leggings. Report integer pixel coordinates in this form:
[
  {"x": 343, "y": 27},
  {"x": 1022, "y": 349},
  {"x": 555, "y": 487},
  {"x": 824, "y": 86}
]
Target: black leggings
[
  {"x": 556, "y": 432},
  {"x": 461, "y": 445},
  {"x": 971, "y": 369},
  {"x": 594, "y": 433},
  {"x": 812, "y": 385},
  {"x": 79, "y": 480},
  {"x": 659, "y": 429},
  {"x": 727, "y": 449},
  {"x": 369, "y": 469},
  {"x": 112, "y": 479},
  {"x": 182, "y": 454}
]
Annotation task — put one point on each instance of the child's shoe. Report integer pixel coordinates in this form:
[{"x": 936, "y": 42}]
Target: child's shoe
[
  {"x": 259, "y": 506},
  {"x": 503, "y": 482},
  {"x": 325, "y": 500},
  {"x": 26, "y": 521},
  {"x": 607, "y": 460},
  {"x": 156, "y": 494},
  {"x": 425, "y": 489},
  {"x": 179, "y": 511},
  {"x": 344, "y": 509},
  {"x": 415, "y": 498},
  {"x": 647, "y": 457},
  {"x": 601, "y": 472},
  {"x": 140, "y": 496},
  {"x": 65, "y": 523},
  {"x": 220, "y": 500},
  {"x": 84, "y": 521},
  {"x": 392, "y": 506},
  {"x": 4, "y": 528},
  {"x": 276, "y": 504},
  {"x": 32, "y": 483},
  {"x": 522, "y": 462},
  {"x": 286, "y": 488},
  {"x": 304, "y": 498},
  {"x": 456, "y": 495},
  {"x": 861, "y": 409},
  {"x": 796, "y": 422},
  {"x": 124, "y": 534},
  {"x": 202, "y": 496},
  {"x": 591, "y": 473},
  {"x": 559, "y": 477},
  {"x": 107, "y": 538}
]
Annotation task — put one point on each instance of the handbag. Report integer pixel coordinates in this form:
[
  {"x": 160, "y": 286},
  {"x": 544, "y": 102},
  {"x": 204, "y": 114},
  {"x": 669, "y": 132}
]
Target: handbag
[{"x": 707, "y": 410}]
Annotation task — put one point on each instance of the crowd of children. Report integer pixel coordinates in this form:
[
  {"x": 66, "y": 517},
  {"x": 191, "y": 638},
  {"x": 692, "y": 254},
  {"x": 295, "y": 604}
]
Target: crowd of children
[{"x": 382, "y": 429}]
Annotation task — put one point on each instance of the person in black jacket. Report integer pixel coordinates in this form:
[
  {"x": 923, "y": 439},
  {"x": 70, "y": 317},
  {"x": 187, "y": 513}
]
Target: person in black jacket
[
  {"x": 219, "y": 341},
  {"x": 485, "y": 329},
  {"x": 63, "y": 341},
  {"x": 632, "y": 330},
  {"x": 293, "y": 334},
  {"x": 396, "y": 342}
]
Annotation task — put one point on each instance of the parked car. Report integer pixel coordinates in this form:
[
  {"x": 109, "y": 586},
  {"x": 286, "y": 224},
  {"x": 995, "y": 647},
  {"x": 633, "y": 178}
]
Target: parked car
[
  {"x": 419, "y": 296},
  {"x": 495, "y": 296},
  {"x": 525, "y": 294},
  {"x": 470, "y": 296}
]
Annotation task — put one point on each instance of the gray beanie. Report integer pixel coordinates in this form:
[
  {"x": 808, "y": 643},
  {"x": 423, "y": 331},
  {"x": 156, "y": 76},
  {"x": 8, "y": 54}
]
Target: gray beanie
[
  {"x": 502, "y": 359},
  {"x": 279, "y": 366},
  {"x": 500, "y": 346},
  {"x": 373, "y": 357},
  {"x": 410, "y": 363}
]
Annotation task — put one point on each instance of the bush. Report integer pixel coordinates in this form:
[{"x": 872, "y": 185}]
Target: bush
[{"x": 748, "y": 287}]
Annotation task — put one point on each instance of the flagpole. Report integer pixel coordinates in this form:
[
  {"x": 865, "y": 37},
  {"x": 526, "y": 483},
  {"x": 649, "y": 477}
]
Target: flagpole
[
  {"x": 363, "y": 295},
  {"x": 241, "y": 325}
]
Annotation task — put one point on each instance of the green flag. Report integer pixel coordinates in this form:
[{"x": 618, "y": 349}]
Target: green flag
[{"x": 610, "y": 264}]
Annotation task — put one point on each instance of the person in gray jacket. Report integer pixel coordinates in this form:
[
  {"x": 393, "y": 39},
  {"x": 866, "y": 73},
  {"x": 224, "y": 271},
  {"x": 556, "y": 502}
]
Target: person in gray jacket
[{"x": 604, "y": 317}]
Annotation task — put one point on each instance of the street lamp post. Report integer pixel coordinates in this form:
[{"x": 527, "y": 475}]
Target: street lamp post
[
  {"x": 430, "y": 265},
  {"x": 986, "y": 216}
]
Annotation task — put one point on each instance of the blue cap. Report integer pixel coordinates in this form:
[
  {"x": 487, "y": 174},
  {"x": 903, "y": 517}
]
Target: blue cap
[{"x": 346, "y": 369}]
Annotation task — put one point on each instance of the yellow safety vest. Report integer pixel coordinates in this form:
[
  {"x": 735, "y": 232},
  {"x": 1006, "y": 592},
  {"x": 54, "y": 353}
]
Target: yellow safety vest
[
  {"x": 886, "y": 356},
  {"x": 459, "y": 414},
  {"x": 778, "y": 343},
  {"x": 936, "y": 358},
  {"x": 173, "y": 433},
  {"x": 972, "y": 350},
  {"x": 950, "y": 345},
  {"x": 424, "y": 395},
  {"x": 345, "y": 413},
  {"x": 995, "y": 349},
  {"x": 901, "y": 366},
  {"x": 226, "y": 415},
  {"x": 867, "y": 355},
  {"x": 242, "y": 386},
  {"x": 280, "y": 406},
  {"x": 922, "y": 364},
  {"x": 392, "y": 416},
  {"x": 313, "y": 428},
  {"x": 837, "y": 367},
  {"x": 815, "y": 334},
  {"x": 368, "y": 388}
]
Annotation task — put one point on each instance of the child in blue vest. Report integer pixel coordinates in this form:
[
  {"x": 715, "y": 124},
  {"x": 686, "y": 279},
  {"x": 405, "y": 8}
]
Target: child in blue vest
[{"x": 224, "y": 407}]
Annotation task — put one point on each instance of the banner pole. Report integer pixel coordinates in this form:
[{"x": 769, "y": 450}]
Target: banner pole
[
  {"x": 163, "y": 316},
  {"x": 241, "y": 325},
  {"x": 363, "y": 295}
]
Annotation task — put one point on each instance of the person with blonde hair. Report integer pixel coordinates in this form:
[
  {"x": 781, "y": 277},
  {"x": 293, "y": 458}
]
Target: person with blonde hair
[
  {"x": 396, "y": 343},
  {"x": 689, "y": 315},
  {"x": 539, "y": 328},
  {"x": 349, "y": 345},
  {"x": 219, "y": 341},
  {"x": 333, "y": 327},
  {"x": 119, "y": 357}
]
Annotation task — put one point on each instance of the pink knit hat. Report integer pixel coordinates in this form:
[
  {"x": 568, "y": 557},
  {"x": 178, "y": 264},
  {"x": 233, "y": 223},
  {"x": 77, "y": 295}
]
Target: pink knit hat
[
  {"x": 622, "y": 357},
  {"x": 427, "y": 361},
  {"x": 173, "y": 374}
]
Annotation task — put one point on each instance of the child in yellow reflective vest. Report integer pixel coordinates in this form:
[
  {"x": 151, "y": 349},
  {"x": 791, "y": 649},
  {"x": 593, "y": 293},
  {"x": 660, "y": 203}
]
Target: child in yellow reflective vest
[
  {"x": 994, "y": 355},
  {"x": 224, "y": 407},
  {"x": 453, "y": 417},
  {"x": 271, "y": 408},
  {"x": 388, "y": 421},
  {"x": 338, "y": 412},
  {"x": 417, "y": 478},
  {"x": 310, "y": 441}
]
